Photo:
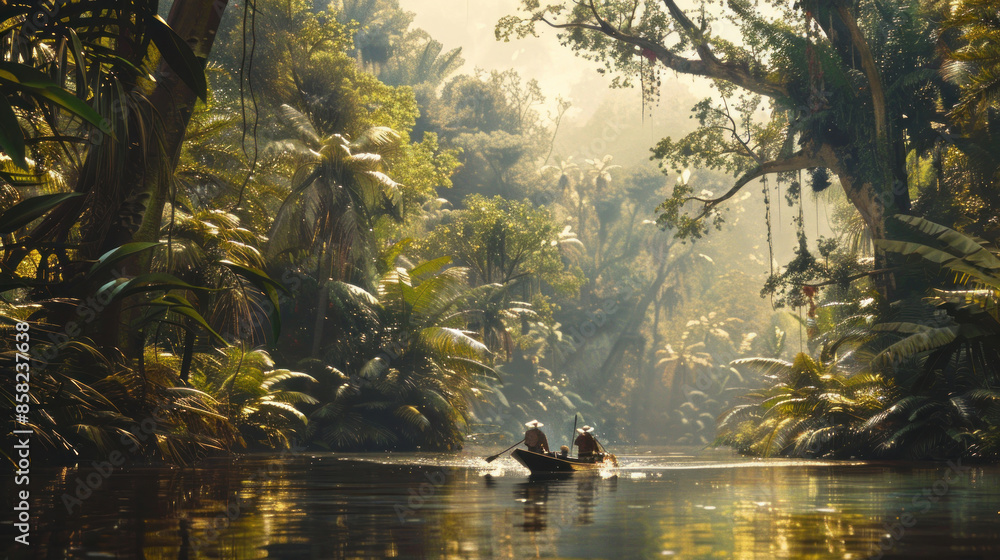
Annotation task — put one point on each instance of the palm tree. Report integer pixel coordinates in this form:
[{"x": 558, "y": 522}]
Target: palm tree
[
  {"x": 570, "y": 247},
  {"x": 606, "y": 205},
  {"x": 406, "y": 369},
  {"x": 89, "y": 403},
  {"x": 976, "y": 63},
  {"x": 213, "y": 171},
  {"x": 493, "y": 315},
  {"x": 210, "y": 248},
  {"x": 973, "y": 335},
  {"x": 423, "y": 62},
  {"x": 600, "y": 174},
  {"x": 338, "y": 192},
  {"x": 967, "y": 166},
  {"x": 380, "y": 24},
  {"x": 249, "y": 392},
  {"x": 813, "y": 408},
  {"x": 566, "y": 170},
  {"x": 947, "y": 365},
  {"x": 551, "y": 342},
  {"x": 696, "y": 375}
]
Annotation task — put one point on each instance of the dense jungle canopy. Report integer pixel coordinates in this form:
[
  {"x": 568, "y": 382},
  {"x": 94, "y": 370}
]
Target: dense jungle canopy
[{"x": 242, "y": 226}]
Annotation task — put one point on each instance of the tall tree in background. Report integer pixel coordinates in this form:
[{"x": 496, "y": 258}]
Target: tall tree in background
[
  {"x": 337, "y": 194},
  {"x": 852, "y": 88}
]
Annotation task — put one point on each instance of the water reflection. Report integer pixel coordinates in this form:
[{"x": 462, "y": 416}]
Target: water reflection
[
  {"x": 536, "y": 492},
  {"x": 407, "y": 507},
  {"x": 535, "y": 496}
]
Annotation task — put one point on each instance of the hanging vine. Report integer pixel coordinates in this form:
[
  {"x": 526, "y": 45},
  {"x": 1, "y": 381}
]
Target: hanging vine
[
  {"x": 767, "y": 218},
  {"x": 649, "y": 81}
]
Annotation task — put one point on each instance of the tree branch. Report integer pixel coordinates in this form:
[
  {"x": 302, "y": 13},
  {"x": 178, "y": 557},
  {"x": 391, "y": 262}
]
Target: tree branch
[
  {"x": 798, "y": 160},
  {"x": 870, "y": 68},
  {"x": 708, "y": 66},
  {"x": 736, "y": 135},
  {"x": 715, "y": 67},
  {"x": 854, "y": 277},
  {"x": 696, "y": 34}
]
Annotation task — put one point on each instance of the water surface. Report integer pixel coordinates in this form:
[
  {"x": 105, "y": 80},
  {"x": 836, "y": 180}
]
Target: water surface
[{"x": 659, "y": 504}]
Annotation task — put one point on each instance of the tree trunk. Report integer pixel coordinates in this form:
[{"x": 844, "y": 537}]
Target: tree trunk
[
  {"x": 876, "y": 207},
  {"x": 323, "y": 299},
  {"x": 196, "y": 22},
  {"x": 626, "y": 336},
  {"x": 111, "y": 182}
]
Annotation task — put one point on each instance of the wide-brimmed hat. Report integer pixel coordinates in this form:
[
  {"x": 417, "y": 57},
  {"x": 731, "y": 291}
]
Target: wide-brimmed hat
[
  {"x": 585, "y": 429},
  {"x": 534, "y": 424}
]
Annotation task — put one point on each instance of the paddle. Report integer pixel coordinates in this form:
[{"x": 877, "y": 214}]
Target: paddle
[
  {"x": 614, "y": 460},
  {"x": 492, "y": 458}
]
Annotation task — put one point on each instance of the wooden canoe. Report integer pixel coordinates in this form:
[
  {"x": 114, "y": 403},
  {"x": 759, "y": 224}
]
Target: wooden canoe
[{"x": 542, "y": 463}]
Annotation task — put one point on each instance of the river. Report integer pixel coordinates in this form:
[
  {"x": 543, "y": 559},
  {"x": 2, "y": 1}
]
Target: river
[{"x": 658, "y": 504}]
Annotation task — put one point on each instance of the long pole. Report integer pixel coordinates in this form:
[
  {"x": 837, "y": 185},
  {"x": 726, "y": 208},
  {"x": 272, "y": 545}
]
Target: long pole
[{"x": 574, "y": 432}]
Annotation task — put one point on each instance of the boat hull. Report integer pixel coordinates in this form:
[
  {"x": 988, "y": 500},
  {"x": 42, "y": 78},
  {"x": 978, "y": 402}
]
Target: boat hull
[{"x": 541, "y": 463}]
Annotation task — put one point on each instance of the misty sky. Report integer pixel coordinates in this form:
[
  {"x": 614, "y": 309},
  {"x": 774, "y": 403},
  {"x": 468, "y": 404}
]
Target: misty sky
[{"x": 469, "y": 24}]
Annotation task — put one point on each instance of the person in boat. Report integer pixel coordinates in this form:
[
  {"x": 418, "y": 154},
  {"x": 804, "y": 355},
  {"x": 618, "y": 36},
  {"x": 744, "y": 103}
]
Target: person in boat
[
  {"x": 535, "y": 439},
  {"x": 563, "y": 452},
  {"x": 586, "y": 444}
]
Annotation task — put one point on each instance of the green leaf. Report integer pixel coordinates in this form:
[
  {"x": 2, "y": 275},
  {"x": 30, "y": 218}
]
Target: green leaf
[
  {"x": 179, "y": 56},
  {"x": 152, "y": 282},
  {"x": 413, "y": 416},
  {"x": 390, "y": 255},
  {"x": 266, "y": 284},
  {"x": 27, "y": 211},
  {"x": 23, "y": 75},
  {"x": 276, "y": 376},
  {"x": 182, "y": 306},
  {"x": 764, "y": 366},
  {"x": 11, "y": 137},
  {"x": 39, "y": 84},
  {"x": 71, "y": 103},
  {"x": 256, "y": 276},
  {"x": 8, "y": 12},
  {"x": 286, "y": 408},
  {"x": 117, "y": 254},
  {"x": 954, "y": 264},
  {"x": 917, "y": 343},
  {"x": 423, "y": 270},
  {"x": 453, "y": 343},
  {"x": 82, "y": 89},
  {"x": 958, "y": 243}
]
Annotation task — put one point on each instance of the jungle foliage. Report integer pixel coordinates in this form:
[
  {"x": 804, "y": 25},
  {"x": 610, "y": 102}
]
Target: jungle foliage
[
  {"x": 317, "y": 231},
  {"x": 893, "y": 102}
]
